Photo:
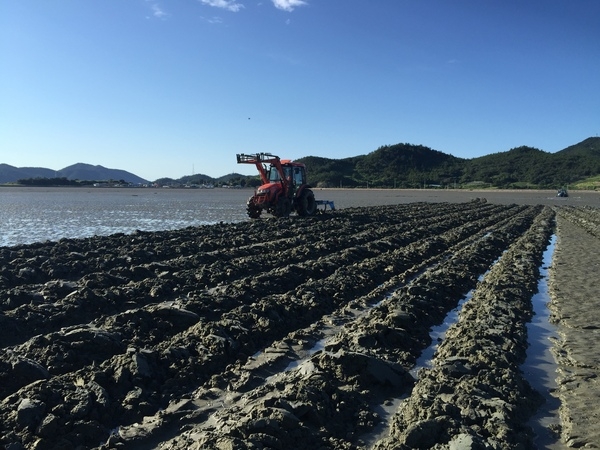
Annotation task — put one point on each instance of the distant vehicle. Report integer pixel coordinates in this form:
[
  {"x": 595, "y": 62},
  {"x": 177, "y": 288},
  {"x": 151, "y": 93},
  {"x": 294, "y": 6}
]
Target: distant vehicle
[
  {"x": 562, "y": 192},
  {"x": 284, "y": 188}
]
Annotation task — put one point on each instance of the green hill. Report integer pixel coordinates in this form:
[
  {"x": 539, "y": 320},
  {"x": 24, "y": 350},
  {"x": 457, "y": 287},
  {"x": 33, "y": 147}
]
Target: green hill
[
  {"x": 413, "y": 166},
  {"x": 328, "y": 172},
  {"x": 579, "y": 161},
  {"x": 514, "y": 168}
]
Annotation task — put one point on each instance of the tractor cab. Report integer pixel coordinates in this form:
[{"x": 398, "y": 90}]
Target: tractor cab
[{"x": 293, "y": 172}]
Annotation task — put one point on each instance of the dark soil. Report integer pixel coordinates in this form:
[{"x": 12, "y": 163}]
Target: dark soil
[{"x": 275, "y": 333}]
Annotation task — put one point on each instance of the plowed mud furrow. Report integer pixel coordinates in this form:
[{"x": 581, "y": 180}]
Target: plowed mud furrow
[
  {"x": 150, "y": 325},
  {"x": 136, "y": 261},
  {"x": 145, "y": 347},
  {"x": 139, "y": 328},
  {"x": 475, "y": 394},
  {"x": 432, "y": 295},
  {"x": 71, "y": 259},
  {"x": 371, "y": 355},
  {"x": 61, "y": 304},
  {"x": 143, "y": 327}
]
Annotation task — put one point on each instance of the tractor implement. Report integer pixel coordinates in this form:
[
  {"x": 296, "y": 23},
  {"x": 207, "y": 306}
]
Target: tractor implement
[
  {"x": 325, "y": 204},
  {"x": 283, "y": 189}
]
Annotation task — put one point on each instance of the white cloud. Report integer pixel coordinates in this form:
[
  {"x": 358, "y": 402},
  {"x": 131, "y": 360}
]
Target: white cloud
[
  {"x": 288, "y": 5},
  {"x": 158, "y": 12},
  {"x": 229, "y": 5}
]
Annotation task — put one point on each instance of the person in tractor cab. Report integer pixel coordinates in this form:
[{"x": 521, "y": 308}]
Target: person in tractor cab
[
  {"x": 287, "y": 172},
  {"x": 298, "y": 178}
]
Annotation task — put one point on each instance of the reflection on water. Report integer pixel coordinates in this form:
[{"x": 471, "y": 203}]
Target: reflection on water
[
  {"x": 540, "y": 367},
  {"x": 40, "y": 214},
  {"x": 437, "y": 335}
]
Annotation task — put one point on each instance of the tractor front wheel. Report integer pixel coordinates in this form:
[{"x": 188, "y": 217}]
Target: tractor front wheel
[{"x": 252, "y": 210}]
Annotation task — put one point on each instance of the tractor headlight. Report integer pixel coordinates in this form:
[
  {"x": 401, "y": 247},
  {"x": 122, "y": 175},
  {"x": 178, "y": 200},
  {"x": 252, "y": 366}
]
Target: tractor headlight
[{"x": 263, "y": 191}]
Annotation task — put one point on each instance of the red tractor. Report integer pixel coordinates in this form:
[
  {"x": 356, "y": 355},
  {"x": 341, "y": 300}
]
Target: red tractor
[{"x": 283, "y": 188}]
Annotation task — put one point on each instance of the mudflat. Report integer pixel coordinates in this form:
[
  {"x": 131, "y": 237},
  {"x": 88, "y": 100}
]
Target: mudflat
[
  {"x": 575, "y": 306},
  {"x": 368, "y": 197},
  {"x": 302, "y": 332}
]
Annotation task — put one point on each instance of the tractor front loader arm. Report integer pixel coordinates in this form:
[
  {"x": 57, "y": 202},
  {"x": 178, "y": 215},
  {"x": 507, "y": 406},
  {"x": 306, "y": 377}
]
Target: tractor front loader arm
[{"x": 259, "y": 160}]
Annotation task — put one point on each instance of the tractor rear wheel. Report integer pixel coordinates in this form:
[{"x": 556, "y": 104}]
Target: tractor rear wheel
[{"x": 307, "y": 206}]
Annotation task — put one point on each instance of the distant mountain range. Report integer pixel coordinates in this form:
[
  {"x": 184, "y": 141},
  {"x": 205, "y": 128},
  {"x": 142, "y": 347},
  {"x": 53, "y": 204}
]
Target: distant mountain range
[
  {"x": 399, "y": 165},
  {"x": 79, "y": 171}
]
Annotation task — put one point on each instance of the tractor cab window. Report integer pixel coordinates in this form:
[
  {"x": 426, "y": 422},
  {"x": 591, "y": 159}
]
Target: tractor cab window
[
  {"x": 273, "y": 175},
  {"x": 298, "y": 176}
]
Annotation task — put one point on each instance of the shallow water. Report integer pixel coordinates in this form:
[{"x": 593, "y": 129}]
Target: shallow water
[
  {"x": 437, "y": 335},
  {"x": 540, "y": 368},
  {"x": 49, "y": 214}
]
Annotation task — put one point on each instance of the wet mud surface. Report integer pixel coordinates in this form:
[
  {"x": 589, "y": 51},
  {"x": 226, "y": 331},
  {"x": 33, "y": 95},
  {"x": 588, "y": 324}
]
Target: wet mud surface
[
  {"x": 574, "y": 308},
  {"x": 272, "y": 334}
]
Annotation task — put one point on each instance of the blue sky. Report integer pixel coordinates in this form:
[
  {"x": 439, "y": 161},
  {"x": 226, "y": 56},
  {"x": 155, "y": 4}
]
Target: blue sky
[{"x": 167, "y": 88}]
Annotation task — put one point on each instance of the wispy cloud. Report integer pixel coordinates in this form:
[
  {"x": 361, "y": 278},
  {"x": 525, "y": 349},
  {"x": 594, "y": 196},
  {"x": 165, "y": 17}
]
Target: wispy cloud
[
  {"x": 230, "y": 5},
  {"x": 288, "y": 5},
  {"x": 157, "y": 11},
  {"x": 213, "y": 20}
]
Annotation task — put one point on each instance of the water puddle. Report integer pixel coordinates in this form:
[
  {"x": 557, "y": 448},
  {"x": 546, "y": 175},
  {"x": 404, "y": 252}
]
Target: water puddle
[
  {"x": 319, "y": 346},
  {"x": 540, "y": 367},
  {"x": 437, "y": 334},
  {"x": 382, "y": 430}
]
